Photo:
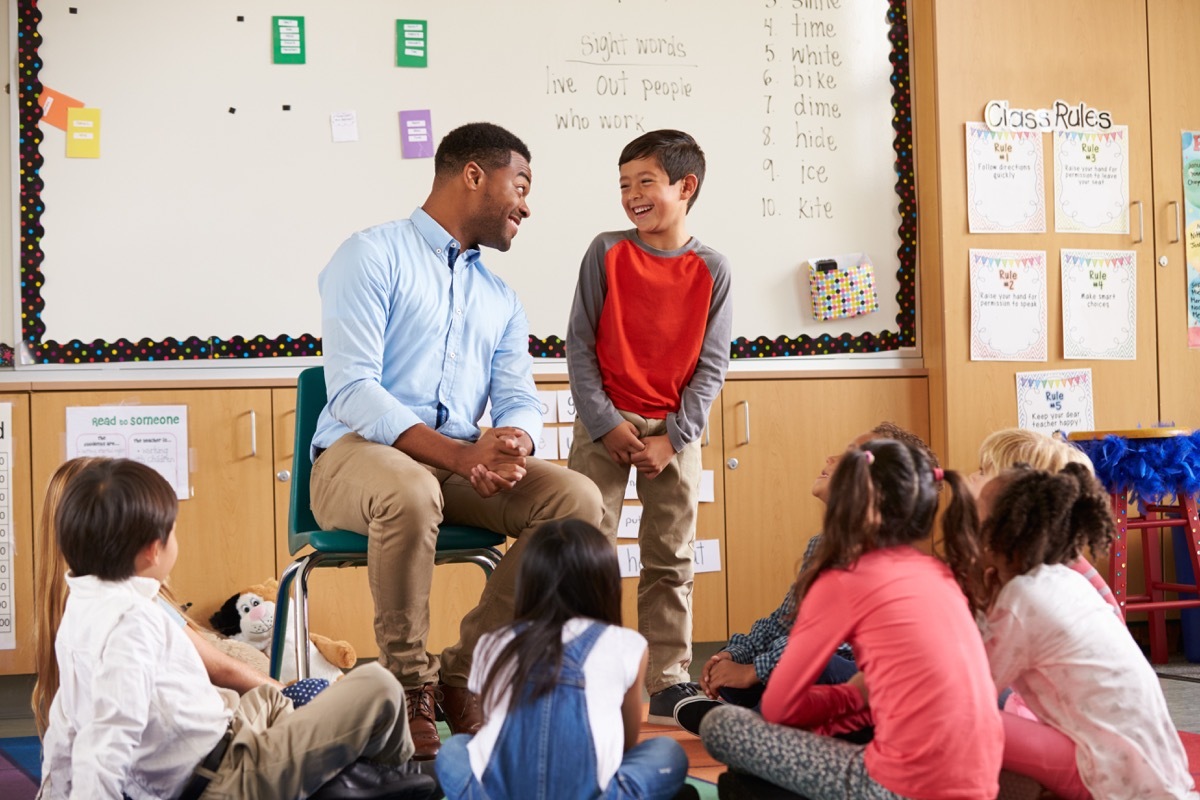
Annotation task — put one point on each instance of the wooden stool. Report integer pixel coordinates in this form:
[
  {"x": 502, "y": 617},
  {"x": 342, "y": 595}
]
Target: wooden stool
[{"x": 1146, "y": 447}]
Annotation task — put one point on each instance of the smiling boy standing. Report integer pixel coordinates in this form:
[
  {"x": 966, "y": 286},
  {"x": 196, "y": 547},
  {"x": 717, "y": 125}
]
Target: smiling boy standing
[{"x": 647, "y": 349}]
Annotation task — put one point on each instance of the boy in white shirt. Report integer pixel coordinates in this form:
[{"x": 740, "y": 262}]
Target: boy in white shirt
[{"x": 135, "y": 713}]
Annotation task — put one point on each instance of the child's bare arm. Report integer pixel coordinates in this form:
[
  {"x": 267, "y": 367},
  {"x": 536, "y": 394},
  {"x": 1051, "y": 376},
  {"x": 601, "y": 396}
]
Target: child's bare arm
[
  {"x": 631, "y": 706},
  {"x": 224, "y": 670}
]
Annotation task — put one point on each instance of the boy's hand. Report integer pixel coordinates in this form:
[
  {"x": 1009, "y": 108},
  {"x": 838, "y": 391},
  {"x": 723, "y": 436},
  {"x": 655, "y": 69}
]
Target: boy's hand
[
  {"x": 622, "y": 442},
  {"x": 706, "y": 672},
  {"x": 728, "y": 672},
  {"x": 654, "y": 459}
]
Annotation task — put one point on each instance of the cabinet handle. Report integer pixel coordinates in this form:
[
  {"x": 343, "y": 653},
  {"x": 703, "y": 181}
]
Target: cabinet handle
[
  {"x": 1141, "y": 223},
  {"x": 253, "y": 434},
  {"x": 1178, "y": 230},
  {"x": 705, "y": 441},
  {"x": 283, "y": 476},
  {"x": 746, "y": 403}
]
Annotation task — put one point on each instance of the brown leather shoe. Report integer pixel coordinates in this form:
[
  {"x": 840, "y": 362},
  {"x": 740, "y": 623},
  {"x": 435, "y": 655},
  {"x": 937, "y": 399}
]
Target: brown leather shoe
[
  {"x": 461, "y": 708},
  {"x": 421, "y": 723}
]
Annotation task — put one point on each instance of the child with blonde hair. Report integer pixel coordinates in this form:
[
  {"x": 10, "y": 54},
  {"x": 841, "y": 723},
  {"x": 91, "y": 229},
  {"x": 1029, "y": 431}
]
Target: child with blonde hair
[{"x": 1007, "y": 448}]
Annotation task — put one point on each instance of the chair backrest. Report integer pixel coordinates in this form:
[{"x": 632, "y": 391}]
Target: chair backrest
[{"x": 310, "y": 399}]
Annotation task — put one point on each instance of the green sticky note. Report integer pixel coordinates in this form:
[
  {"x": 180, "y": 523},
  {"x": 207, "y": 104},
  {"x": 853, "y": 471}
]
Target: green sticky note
[
  {"x": 412, "y": 43},
  {"x": 288, "y": 35}
]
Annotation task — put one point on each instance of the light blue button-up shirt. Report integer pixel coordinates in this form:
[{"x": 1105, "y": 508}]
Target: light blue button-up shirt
[{"x": 410, "y": 324}]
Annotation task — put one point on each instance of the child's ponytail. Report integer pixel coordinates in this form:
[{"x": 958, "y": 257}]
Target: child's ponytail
[
  {"x": 1092, "y": 523},
  {"x": 962, "y": 543}
]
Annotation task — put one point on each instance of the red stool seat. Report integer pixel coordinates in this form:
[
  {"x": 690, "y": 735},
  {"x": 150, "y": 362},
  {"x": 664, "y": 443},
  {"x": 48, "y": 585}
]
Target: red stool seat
[{"x": 1152, "y": 518}]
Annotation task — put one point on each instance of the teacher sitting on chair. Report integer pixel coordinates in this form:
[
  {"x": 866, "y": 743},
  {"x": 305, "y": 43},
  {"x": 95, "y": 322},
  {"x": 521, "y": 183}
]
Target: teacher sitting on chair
[{"x": 418, "y": 336}]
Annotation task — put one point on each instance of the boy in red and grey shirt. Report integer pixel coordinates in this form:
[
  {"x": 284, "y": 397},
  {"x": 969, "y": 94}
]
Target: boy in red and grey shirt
[{"x": 647, "y": 348}]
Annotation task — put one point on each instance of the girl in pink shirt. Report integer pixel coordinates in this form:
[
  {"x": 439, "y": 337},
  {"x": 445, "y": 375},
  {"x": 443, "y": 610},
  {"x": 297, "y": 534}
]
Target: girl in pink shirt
[{"x": 910, "y": 625}]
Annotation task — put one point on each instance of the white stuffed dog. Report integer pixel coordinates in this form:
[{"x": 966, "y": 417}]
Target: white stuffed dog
[{"x": 249, "y": 618}]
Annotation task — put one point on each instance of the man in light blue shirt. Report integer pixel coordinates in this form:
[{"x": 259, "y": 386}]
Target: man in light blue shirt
[{"x": 418, "y": 336}]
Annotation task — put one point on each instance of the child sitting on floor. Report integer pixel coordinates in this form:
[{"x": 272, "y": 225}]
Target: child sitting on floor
[
  {"x": 738, "y": 673},
  {"x": 1104, "y": 728},
  {"x": 135, "y": 714},
  {"x": 910, "y": 625},
  {"x": 561, "y": 688}
]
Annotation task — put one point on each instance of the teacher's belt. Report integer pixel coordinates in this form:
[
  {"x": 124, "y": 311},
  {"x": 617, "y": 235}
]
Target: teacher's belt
[{"x": 206, "y": 770}]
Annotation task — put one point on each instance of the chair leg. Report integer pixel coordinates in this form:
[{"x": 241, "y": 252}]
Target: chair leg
[
  {"x": 282, "y": 606},
  {"x": 486, "y": 558},
  {"x": 302, "y": 663}
]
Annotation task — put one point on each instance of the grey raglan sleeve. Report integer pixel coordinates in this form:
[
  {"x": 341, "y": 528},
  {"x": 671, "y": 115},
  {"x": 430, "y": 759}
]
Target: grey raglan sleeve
[
  {"x": 595, "y": 410},
  {"x": 686, "y": 424}
]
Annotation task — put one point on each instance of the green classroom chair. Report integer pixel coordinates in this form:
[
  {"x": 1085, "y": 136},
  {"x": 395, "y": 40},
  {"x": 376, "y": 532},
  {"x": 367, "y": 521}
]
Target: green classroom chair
[{"x": 456, "y": 544}]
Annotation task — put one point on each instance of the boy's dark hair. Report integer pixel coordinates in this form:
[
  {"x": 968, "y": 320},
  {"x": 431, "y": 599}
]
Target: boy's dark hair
[
  {"x": 109, "y": 512},
  {"x": 568, "y": 569},
  {"x": 488, "y": 145},
  {"x": 677, "y": 153},
  {"x": 1043, "y": 518},
  {"x": 883, "y": 494}
]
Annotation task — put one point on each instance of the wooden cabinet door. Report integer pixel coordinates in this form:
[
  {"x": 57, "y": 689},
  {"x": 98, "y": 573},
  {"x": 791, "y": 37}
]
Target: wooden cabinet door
[
  {"x": 1032, "y": 53},
  {"x": 1174, "y": 107},
  {"x": 777, "y": 435},
  {"x": 226, "y": 527},
  {"x": 16, "y": 587}
]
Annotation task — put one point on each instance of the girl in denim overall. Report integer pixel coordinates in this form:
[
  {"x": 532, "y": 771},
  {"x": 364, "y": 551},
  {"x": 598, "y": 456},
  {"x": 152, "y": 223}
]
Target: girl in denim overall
[{"x": 561, "y": 688}]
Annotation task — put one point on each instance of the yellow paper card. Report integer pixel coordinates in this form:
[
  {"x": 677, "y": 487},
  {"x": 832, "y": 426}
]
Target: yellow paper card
[{"x": 83, "y": 133}]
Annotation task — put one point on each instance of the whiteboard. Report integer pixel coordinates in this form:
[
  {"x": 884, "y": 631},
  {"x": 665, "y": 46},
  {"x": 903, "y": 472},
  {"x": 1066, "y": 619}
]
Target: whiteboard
[{"x": 219, "y": 193}]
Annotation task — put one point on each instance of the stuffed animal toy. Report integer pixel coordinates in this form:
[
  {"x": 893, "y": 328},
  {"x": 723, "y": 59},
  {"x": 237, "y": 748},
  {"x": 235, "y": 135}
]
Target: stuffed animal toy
[{"x": 250, "y": 617}]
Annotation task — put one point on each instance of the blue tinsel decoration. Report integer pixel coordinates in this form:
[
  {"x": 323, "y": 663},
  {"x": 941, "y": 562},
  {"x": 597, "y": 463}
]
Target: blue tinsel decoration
[{"x": 1152, "y": 470}]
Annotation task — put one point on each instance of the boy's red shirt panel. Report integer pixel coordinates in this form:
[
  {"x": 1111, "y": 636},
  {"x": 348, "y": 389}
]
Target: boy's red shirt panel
[{"x": 652, "y": 327}]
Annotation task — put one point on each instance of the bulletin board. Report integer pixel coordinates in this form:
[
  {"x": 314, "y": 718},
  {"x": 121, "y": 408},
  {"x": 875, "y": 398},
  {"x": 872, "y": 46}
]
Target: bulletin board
[{"x": 219, "y": 193}]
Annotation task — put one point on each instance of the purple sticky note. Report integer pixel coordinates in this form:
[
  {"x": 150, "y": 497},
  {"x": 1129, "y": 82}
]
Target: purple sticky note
[{"x": 416, "y": 134}]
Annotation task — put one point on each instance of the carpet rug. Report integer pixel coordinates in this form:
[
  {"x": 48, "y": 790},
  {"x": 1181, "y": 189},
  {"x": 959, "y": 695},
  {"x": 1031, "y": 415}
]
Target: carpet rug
[{"x": 20, "y": 767}]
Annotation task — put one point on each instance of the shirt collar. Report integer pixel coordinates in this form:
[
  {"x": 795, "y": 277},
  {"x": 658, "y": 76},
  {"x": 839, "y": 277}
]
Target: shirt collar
[
  {"x": 440, "y": 242},
  {"x": 91, "y": 585}
]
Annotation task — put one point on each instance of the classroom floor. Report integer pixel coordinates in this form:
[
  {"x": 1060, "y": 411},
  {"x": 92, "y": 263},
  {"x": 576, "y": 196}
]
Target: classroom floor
[{"x": 1180, "y": 682}]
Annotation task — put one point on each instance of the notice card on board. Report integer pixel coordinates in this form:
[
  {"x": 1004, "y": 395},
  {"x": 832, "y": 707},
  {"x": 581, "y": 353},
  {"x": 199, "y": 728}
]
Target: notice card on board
[
  {"x": 1099, "y": 304},
  {"x": 153, "y": 435},
  {"x": 1005, "y": 181},
  {"x": 1091, "y": 181},
  {"x": 1053, "y": 401},
  {"x": 1008, "y": 305}
]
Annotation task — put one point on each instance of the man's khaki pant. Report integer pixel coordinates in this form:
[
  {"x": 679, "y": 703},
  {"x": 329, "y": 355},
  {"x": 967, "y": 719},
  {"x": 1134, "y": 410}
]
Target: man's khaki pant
[{"x": 398, "y": 503}]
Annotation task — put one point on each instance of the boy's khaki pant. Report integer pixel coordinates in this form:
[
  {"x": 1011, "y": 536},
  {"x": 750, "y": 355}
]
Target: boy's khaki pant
[
  {"x": 666, "y": 538},
  {"x": 278, "y": 751}
]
